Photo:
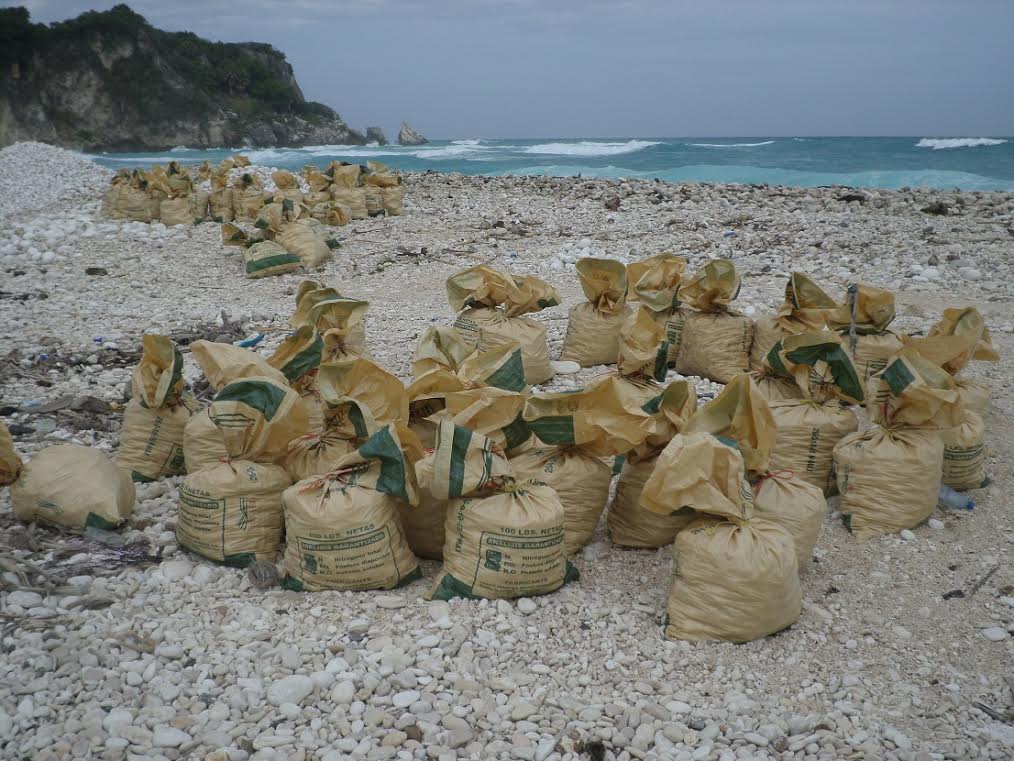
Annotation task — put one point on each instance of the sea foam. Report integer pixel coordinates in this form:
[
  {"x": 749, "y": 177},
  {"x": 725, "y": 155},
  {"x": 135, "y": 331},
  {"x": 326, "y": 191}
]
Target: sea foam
[
  {"x": 939, "y": 143},
  {"x": 731, "y": 145},
  {"x": 589, "y": 148}
]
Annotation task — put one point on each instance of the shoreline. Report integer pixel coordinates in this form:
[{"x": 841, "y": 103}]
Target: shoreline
[{"x": 880, "y": 663}]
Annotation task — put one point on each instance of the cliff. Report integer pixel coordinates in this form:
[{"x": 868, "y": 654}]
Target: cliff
[{"x": 111, "y": 81}]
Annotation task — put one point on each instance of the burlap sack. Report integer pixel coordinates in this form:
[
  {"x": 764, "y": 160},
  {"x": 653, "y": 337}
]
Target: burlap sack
[
  {"x": 655, "y": 282},
  {"x": 804, "y": 311},
  {"x": 220, "y": 202},
  {"x": 151, "y": 438},
  {"x": 504, "y": 537},
  {"x": 288, "y": 186},
  {"x": 340, "y": 320},
  {"x": 964, "y": 465},
  {"x": 643, "y": 349},
  {"x": 74, "y": 487},
  {"x": 579, "y": 430},
  {"x": 959, "y": 337},
  {"x": 493, "y": 303},
  {"x": 234, "y": 235},
  {"x": 268, "y": 258},
  {"x": 10, "y": 462},
  {"x": 298, "y": 356},
  {"x": 735, "y": 577},
  {"x": 231, "y": 513},
  {"x": 630, "y": 525},
  {"x": 394, "y": 200},
  {"x": 593, "y": 328},
  {"x": 774, "y": 389},
  {"x": 491, "y": 412},
  {"x": 273, "y": 216},
  {"x": 374, "y": 198},
  {"x": 352, "y": 199},
  {"x": 342, "y": 530},
  {"x": 248, "y": 196},
  {"x": 809, "y": 428},
  {"x": 862, "y": 321},
  {"x": 308, "y": 241},
  {"x": 176, "y": 211},
  {"x": 799, "y": 507},
  {"x": 331, "y": 214},
  {"x": 716, "y": 340},
  {"x": 379, "y": 175},
  {"x": 239, "y": 160},
  {"x": 203, "y": 445},
  {"x": 889, "y": 476},
  {"x": 358, "y": 399},
  {"x": 199, "y": 200},
  {"x": 974, "y": 396},
  {"x": 739, "y": 415},
  {"x": 443, "y": 349}
]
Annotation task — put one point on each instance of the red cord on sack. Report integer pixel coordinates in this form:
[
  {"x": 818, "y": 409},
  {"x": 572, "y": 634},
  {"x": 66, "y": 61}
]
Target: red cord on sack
[{"x": 780, "y": 473}]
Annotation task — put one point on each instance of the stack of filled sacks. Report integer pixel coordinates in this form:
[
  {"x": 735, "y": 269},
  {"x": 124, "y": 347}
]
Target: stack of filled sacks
[
  {"x": 342, "y": 529},
  {"x": 67, "y": 485},
  {"x": 809, "y": 428},
  {"x": 504, "y": 536},
  {"x": 804, "y": 310},
  {"x": 385, "y": 193},
  {"x": 283, "y": 243},
  {"x": 163, "y": 193},
  {"x": 347, "y": 189},
  {"x": 716, "y": 339},
  {"x": 127, "y": 197},
  {"x": 297, "y": 357},
  {"x": 593, "y": 328},
  {"x": 781, "y": 496},
  {"x": 231, "y": 512},
  {"x": 443, "y": 363},
  {"x": 357, "y": 398},
  {"x": 771, "y": 383},
  {"x": 203, "y": 443},
  {"x": 339, "y": 320},
  {"x": 490, "y": 305},
  {"x": 319, "y": 202},
  {"x": 889, "y": 476},
  {"x": 579, "y": 432},
  {"x": 151, "y": 439},
  {"x": 630, "y": 525},
  {"x": 491, "y": 412},
  {"x": 959, "y": 337},
  {"x": 735, "y": 576},
  {"x": 220, "y": 202},
  {"x": 654, "y": 283},
  {"x": 862, "y": 321}
]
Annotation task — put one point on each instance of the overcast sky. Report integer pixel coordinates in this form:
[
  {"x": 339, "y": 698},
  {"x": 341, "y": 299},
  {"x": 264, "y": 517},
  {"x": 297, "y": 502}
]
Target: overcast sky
[{"x": 623, "y": 68}]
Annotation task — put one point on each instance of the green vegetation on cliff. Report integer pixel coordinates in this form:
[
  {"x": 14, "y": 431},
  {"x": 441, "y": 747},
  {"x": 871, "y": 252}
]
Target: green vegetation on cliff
[{"x": 146, "y": 74}]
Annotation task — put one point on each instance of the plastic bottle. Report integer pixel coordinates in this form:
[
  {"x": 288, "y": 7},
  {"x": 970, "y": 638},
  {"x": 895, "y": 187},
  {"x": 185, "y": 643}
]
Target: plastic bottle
[{"x": 954, "y": 499}]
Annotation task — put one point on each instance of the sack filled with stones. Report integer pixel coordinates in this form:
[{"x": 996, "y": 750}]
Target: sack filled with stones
[
  {"x": 740, "y": 416},
  {"x": 577, "y": 431},
  {"x": 248, "y": 196},
  {"x": 347, "y": 188},
  {"x": 811, "y": 427},
  {"x": 862, "y": 321},
  {"x": 716, "y": 339},
  {"x": 67, "y": 485},
  {"x": 297, "y": 357},
  {"x": 735, "y": 576},
  {"x": 220, "y": 200},
  {"x": 443, "y": 349},
  {"x": 772, "y": 385},
  {"x": 342, "y": 529},
  {"x": 490, "y": 305},
  {"x": 358, "y": 397},
  {"x": 491, "y": 412},
  {"x": 889, "y": 476},
  {"x": 203, "y": 443},
  {"x": 654, "y": 283},
  {"x": 593, "y": 328},
  {"x": 151, "y": 438},
  {"x": 309, "y": 240},
  {"x": 804, "y": 310},
  {"x": 630, "y": 525},
  {"x": 504, "y": 537},
  {"x": 232, "y": 512},
  {"x": 339, "y": 319}
]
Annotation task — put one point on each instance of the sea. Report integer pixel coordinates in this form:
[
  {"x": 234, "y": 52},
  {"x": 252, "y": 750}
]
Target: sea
[{"x": 966, "y": 163}]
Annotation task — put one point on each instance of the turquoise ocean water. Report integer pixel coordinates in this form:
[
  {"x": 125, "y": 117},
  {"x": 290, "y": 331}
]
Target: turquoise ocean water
[{"x": 971, "y": 163}]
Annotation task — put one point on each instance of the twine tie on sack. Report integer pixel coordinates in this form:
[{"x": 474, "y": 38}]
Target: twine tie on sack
[{"x": 780, "y": 473}]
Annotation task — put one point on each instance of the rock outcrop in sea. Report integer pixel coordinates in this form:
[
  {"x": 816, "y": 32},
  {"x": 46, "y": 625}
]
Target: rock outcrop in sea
[
  {"x": 408, "y": 136},
  {"x": 375, "y": 135}
]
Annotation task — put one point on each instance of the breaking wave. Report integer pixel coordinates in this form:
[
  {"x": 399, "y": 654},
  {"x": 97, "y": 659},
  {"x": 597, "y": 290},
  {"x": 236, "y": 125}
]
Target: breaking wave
[
  {"x": 589, "y": 148},
  {"x": 731, "y": 145},
  {"x": 939, "y": 143}
]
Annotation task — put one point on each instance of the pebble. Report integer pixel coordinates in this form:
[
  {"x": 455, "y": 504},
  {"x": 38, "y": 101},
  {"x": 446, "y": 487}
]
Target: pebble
[
  {"x": 169, "y": 737},
  {"x": 405, "y": 699},
  {"x": 527, "y": 606},
  {"x": 907, "y": 535},
  {"x": 995, "y": 633},
  {"x": 389, "y": 602},
  {"x": 290, "y": 689},
  {"x": 935, "y": 524}
]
